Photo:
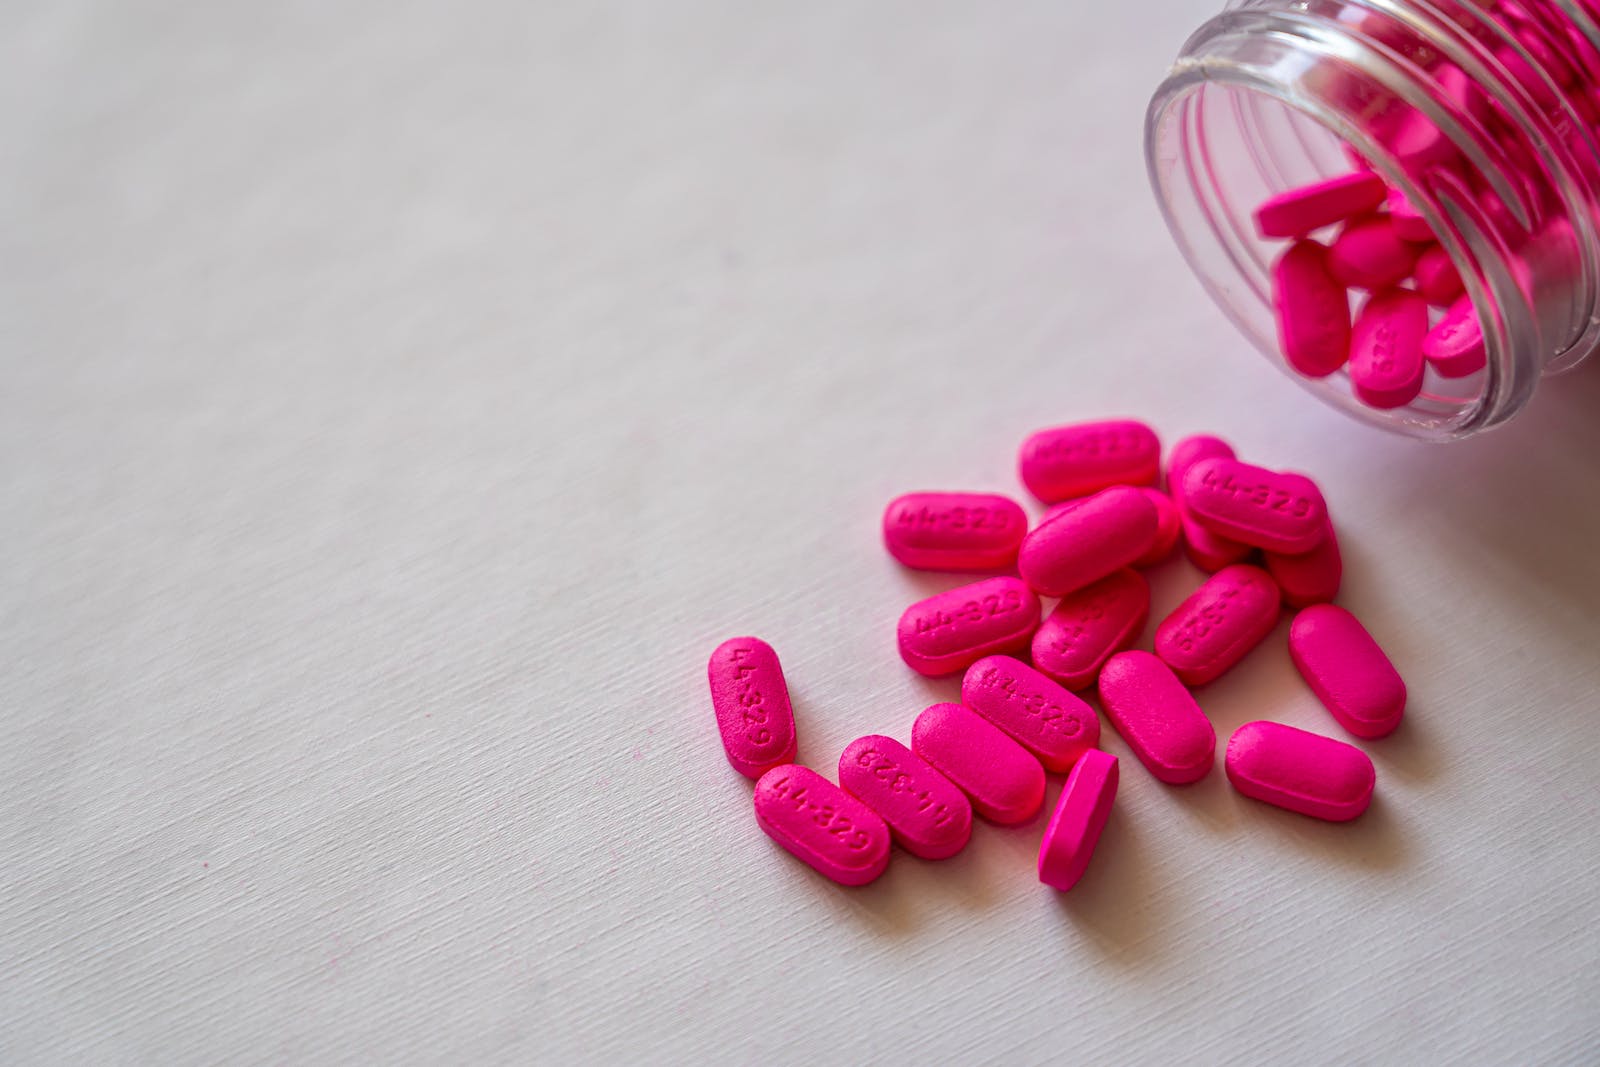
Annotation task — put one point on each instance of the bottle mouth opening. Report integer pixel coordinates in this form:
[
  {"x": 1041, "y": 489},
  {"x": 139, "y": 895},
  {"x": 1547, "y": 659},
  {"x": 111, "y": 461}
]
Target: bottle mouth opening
[{"x": 1219, "y": 142}]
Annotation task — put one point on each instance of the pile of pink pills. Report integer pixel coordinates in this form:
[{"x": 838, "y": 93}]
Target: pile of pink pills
[
  {"x": 1414, "y": 315},
  {"x": 1267, "y": 541}
]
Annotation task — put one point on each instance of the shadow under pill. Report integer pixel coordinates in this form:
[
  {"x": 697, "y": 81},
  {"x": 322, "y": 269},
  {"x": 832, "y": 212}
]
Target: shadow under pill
[
  {"x": 1211, "y": 799},
  {"x": 1406, "y": 754},
  {"x": 886, "y": 905},
  {"x": 1373, "y": 841},
  {"x": 1117, "y": 907}
]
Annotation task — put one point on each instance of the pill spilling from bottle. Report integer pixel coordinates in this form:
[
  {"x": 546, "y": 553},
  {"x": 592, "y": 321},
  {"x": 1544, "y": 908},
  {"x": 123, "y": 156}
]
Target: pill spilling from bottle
[
  {"x": 1268, "y": 543},
  {"x": 1395, "y": 202}
]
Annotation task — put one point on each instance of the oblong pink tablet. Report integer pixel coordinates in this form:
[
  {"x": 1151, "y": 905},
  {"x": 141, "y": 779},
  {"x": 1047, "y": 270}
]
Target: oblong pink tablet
[
  {"x": 1004, "y": 782},
  {"x": 1454, "y": 347},
  {"x": 1079, "y": 818},
  {"x": 1312, "y": 311},
  {"x": 1220, "y": 622},
  {"x": 1347, "y": 670},
  {"x": 1438, "y": 280},
  {"x": 1386, "y": 348},
  {"x": 952, "y": 630},
  {"x": 819, "y": 823},
  {"x": 1157, "y": 717},
  {"x": 1044, "y": 718},
  {"x": 1082, "y": 544},
  {"x": 954, "y": 531},
  {"x": 1169, "y": 528},
  {"x": 1072, "y": 461},
  {"x": 1276, "y": 510},
  {"x": 927, "y": 814},
  {"x": 751, "y": 701},
  {"x": 1310, "y": 577},
  {"x": 1088, "y": 626},
  {"x": 1207, "y": 550},
  {"x": 1297, "y": 212},
  {"x": 1300, "y": 771},
  {"x": 1369, "y": 253}
]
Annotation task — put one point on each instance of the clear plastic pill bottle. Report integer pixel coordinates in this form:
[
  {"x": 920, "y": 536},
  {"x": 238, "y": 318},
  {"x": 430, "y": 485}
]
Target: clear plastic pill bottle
[{"x": 1483, "y": 114}]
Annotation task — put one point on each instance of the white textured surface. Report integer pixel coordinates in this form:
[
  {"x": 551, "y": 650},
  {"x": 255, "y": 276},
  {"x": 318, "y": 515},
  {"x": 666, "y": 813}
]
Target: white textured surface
[{"x": 399, "y": 402}]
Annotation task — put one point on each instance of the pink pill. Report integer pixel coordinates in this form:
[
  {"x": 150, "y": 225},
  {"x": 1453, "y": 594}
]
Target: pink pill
[
  {"x": 1211, "y": 551},
  {"x": 1274, "y": 510},
  {"x": 1157, "y": 717},
  {"x": 1407, "y": 220},
  {"x": 1005, "y": 783},
  {"x": 1437, "y": 278},
  {"x": 1051, "y": 723},
  {"x": 1310, "y": 577},
  {"x": 1298, "y": 212},
  {"x": 1454, "y": 347},
  {"x": 954, "y": 531},
  {"x": 1300, "y": 771},
  {"x": 1088, "y": 626},
  {"x": 1082, "y": 544},
  {"x": 1312, "y": 309},
  {"x": 1189, "y": 451},
  {"x": 952, "y": 630},
  {"x": 751, "y": 701},
  {"x": 1386, "y": 348},
  {"x": 1169, "y": 528},
  {"x": 1370, "y": 254},
  {"x": 1347, "y": 670},
  {"x": 1074, "y": 461},
  {"x": 1169, "y": 525},
  {"x": 1080, "y": 816},
  {"x": 1218, "y": 624},
  {"x": 1418, "y": 142},
  {"x": 1207, "y": 550},
  {"x": 927, "y": 815},
  {"x": 822, "y": 825}
]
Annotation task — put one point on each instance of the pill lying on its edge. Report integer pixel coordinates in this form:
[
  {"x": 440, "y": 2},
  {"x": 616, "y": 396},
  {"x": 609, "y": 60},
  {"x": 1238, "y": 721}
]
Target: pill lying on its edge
[
  {"x": 1042, "y": 717},
  {"x": 819, "y": 823},
  {"x": 1072, "y": 461},
  {"x": 1157, "y": 717},
  {"x": 1004, "y": 781},
  {"x": 954, "y": 531},
  {"x": 1300, "y": 771},
  {"x": 949, "y": 631},
  {"x": 1080, "y": 816},
  {"x": 928, "y": 815},
  {"x": 751, "y": 701},
  {"x": 1347, "y": 670}
]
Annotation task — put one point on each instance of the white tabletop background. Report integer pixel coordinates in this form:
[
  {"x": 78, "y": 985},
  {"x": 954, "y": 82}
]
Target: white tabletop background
[{"x": 400, "y": 401}]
